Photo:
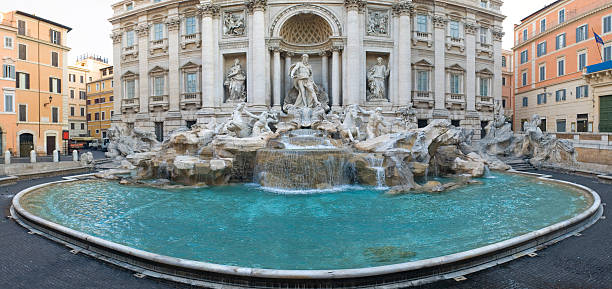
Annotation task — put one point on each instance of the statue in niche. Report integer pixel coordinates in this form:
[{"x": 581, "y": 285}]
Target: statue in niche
[
  {"x": 235, "y": 81},
  {"x": 301, "y": 73},
  {"x": 375, "y": 121},
  {"x": 377, "y": 23},
  {"x": 377, "y": 75},
  {"x": 233, "y": 24}
]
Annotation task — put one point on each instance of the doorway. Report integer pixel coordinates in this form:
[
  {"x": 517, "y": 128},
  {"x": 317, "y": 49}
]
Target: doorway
[
  {"x": 26, "y": 144},
  {"x": 50, "y": 144}
]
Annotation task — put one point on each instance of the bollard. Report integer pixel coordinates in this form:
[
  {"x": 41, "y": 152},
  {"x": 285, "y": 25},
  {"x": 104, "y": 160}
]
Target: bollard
[
  {"x": 32, "y": 156},
  {"x": 55, "y": 156},
  {"x": 7, "y": 157},
  {"x": 75, "y": 156}
]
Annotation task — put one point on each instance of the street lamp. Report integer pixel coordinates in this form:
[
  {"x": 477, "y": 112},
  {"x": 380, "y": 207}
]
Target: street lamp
[{"x": 50, "y": 99}]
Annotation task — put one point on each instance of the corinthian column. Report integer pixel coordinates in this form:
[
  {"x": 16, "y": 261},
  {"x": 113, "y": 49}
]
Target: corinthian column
[
  {"x": 258, "y": 59},
  {"x": 353, "y": 51},
  {"x": 276, "y": 83},
  {"x": 404, "y": 9},
  {"x": 324, "y": 72},
  {"x": 208, "y": 10},
  {"x": 174, "y": 90}
]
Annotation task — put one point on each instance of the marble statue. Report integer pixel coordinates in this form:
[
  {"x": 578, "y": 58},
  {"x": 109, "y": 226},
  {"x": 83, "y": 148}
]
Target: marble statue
[
  {"x": 378, "y": 23},
  {"x": 375, "y": 121},
  {"x": 235, "y": 81},
  {"x": 233, "y": 24},
  {"x": 349, "y": 127},
  {"x": 301, "y": 73},
  {"x": 262, "y": 125},
  {"x": 237, "y": 125},
  {"x": 377, "y": 74}
]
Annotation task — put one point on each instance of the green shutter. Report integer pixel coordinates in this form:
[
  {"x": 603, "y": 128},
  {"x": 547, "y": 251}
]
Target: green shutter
[{"x": 605, "y": 113}]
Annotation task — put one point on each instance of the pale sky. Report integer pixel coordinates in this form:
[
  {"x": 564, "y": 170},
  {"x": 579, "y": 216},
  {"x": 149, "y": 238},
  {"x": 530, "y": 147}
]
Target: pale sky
[{"x": 91, "y": 29}]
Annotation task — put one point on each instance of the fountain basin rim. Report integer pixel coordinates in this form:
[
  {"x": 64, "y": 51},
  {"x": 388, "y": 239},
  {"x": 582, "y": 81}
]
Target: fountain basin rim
[{"x": 19, "y": 212}]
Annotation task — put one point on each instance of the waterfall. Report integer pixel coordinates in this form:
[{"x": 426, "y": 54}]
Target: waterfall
[
  {"x": 376, "y": 163},
  {"x": 487, "y": 173},
  {"x": 405, "y": 172}
]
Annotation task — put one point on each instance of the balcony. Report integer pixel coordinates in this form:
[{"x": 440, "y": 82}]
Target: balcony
[
  {"x": 130, "y": 53},
  {"x": 418, "y": 36},
  {"x": 130, "y": 104},
  {"x": 158, "y": 46},
  {"x": 157, "y": 102},
  {"x": 190, "y": 99},
  {"x": 424, "y": 97},
  {"x": 191, "y": 39},
  {"x": 486, "y": 48},
  {"x": 455, "y": 100},
  {"x": 485, "y": 103},
  {"x": 455, "y": 42}
]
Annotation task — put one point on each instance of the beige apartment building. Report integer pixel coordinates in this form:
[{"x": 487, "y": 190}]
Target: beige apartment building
[
  {"x": 553, "y": 46},
  {"x": 508, "y": 85}
]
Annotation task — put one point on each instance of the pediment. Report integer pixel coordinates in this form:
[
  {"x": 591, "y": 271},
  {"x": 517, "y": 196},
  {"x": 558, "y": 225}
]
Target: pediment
[{"x": 423, "y": 62}]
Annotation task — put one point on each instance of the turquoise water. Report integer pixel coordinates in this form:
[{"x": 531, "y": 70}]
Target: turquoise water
[{"x": 356, "y": 227}]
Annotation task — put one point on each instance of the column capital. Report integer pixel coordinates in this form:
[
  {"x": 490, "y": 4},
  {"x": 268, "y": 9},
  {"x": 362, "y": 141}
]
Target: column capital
[
  {"x": 207, "y": 9},
  {"x": 403, "y": 8},
  {"x": 143, "y": 29},
  {"x": 470, "y": 27},
  {"x": 289, "y": 54},
  {"x": 116, "y": 36},
  {"x": 439, "y": 21},
  {"x": 498, "y": 33},
  {"x": 324, "y": 53},
  {"x": 173, "y": 23},
  {"x": 358, "y": 5},
  {"x": 256, "y": 5}
]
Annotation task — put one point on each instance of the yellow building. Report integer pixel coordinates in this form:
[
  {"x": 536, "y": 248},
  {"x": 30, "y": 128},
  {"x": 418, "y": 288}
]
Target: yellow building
[
  {"x": 85, "y": 70},
  {"x": 100, "y": 103}
]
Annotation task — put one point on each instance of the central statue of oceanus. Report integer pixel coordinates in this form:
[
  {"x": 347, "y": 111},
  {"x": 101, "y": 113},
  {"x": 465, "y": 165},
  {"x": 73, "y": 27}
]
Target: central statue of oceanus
[{"x": 305, "y": 93}]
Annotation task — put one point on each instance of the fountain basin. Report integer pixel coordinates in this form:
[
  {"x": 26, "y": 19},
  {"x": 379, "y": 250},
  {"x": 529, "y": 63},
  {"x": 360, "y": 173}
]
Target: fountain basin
[{"x": 567, "y": 210}]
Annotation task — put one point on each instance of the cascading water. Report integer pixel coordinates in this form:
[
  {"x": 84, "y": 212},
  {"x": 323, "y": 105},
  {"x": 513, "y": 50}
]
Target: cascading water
[
  {"x": 307, "y": 161},
  {"x": 376, "y": 163}
]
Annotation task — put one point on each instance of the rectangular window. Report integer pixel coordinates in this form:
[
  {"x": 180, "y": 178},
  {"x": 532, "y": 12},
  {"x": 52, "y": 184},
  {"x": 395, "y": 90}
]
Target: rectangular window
[
  {"x": 484, "y": 87},
  {"x": 504, "y": 61},
  {"x": 190, "y": 25},
  {"x": 423, "y": 80},
  {"x": 158, "y": 89},
  {"x": 524, "y": 78},
  {"x": 542, "y": 98},
  {"x": 71, "y": 93},
  {"x": 103, "y": 115},
  {"x": 82, "y": 79},
  {"x": 89, "y": 117},
  {"x": 97, "y": 116},
  {"x": 82, "y": 111},
  {"x": 560, "y": 67},
  {"x": 23, "y": 80},
  {"x": 607, "y": 54},
  {"x": 72, "y": 125},
  {"x": 582, "y": 91},
  {"x": 55, "y": 114},
  {"x": 542, "y": 25},
  {"x": 72, "y": 111},
  {"x": 191, "y": 83},
  {"x": 158, "y": 31},
  {"x": 525, "y": 35},
  {"x": 130, "y": 90},
  {"x": 484, "y": 35},
  {"x": 542, "y": 73},
  {"x": 525, "y": 101},
  {"x": 561, "y": 41},
  {"x": 8, "y": 71},
  {"x": 560, "y": 95},
  {"x": 524, "y": 56},
  {"x": 582, "y": 121},
  {"x": 561, "y": 16},
  {"x": 82, "y": 126},
  {"x": 503, "y": 81},
  {"x": 55, "y": 85},
  {"x": 129, "y": 6},
  {"x": 582, "y": 33},
  {"x": 55, "y": 37},
  {"x": 542, "y": 49},
  {"x": 23, "y": 112},
  {"x": 607, "y": 24},
  {"x": 454, "y": 29},
  {"x": 82, "y": 95},
  {"x": 21, "y": 27},
  {"x": 561, "y": 124},
  {"x": 582, "y": 61},
  {"x": 54, "y": 59},
  {"x": 103, "y": 86},
  {"x": 129, "y": 38},
  {"x": 97, "y": 86},
  {"x": 9, "y": 102},
  {"x": 23, "y": 55},
  {"x": 8, "y": 42},
  {"x": 422, "y": 23},
  {"x": 455, "y": 84}
]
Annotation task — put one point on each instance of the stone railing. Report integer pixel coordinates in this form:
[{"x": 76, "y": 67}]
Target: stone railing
[
  {"x": 130, "y": 103},
  {"x": 191, "y": 38},
  {"x": 130, "y": 51},
  {"x": 591, "y": 147},
  {"x": 455, "y": 42},
  {"x": 485, "y": 103},
  {"x": 425, "y": 97},
  {"x": 422, "y": 36},
  {"x": 160, "y": 101},
  {"x": 455, "y": 99},
  {"x": 161, "y": 44},
  {"x": 190, "y": 99}
]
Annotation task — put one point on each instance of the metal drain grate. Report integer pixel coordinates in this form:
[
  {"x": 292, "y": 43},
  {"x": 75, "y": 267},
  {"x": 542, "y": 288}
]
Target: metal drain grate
[
  {"x": 460, "y": 278},
  {"x": 139, "y": 275},
  {"x": 532, "y": 254}
]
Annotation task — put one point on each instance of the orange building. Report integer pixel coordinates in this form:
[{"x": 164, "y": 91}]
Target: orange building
[
  {"x": 8, "y": 56},
  {"x": 100, "y": 102},
  {"x": 508, "y": 84},
  {"x": 85, "y": 70},
  {"x": 552, "y": 48},
  {"x": 41, "y": 93}
]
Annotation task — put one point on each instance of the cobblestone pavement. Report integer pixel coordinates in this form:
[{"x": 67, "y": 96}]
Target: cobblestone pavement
[{"x": 31, "y": 261}]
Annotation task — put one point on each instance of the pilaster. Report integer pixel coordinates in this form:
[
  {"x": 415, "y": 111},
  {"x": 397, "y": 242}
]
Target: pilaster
[
  {"x": 207, "y": 10},
  {"x": 439, "y": 22},
  {"x": 258, "y": 95},
  {"x": 498, "y": 34},
  {"x": 142, "y": 30},
  {"x": 117, "y": 36},
  {"x": 173, "y": 23},
  {"x": 353, "y": 51},
  {"x": 470, "y": 50},
  {"x": 403, "y": 10}
]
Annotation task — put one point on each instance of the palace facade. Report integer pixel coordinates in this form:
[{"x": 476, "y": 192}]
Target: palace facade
[{"x": 178, "y": 62}]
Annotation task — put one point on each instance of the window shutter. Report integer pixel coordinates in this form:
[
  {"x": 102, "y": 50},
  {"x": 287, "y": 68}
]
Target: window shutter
[
  {"x": 17, "y": 80},
  {"x": 51, "y": 35},
  {"x": 27, "y": 80},
  {"x": 59, "y": 86},
  {"x": 59, "y": 38},
  {"x": 578, "y": 34},
  {"x": 50, "y": 84}
]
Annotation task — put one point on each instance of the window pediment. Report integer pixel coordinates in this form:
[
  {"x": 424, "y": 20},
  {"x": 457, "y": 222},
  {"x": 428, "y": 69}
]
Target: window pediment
[
  {"x": 158, "y": 70},
  {"x": 423, "y": 63},
  {"x": 129, "y": 75},
  {"x": 190, "y": 66},
  {"x": 455, "y": 68}
]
